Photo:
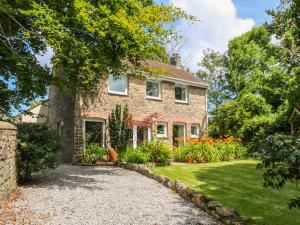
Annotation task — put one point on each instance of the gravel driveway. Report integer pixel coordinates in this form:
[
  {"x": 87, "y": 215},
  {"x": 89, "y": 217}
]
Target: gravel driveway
[{"x": 73, "y": 195}]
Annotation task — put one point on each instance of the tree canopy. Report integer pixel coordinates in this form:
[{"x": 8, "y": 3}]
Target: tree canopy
[{"x": 89, "y": 38}]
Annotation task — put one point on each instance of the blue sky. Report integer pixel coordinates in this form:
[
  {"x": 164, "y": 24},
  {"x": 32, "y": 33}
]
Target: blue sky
[
  {"x": 255, "y": 9},
  {"x": 221, "y": 20}
]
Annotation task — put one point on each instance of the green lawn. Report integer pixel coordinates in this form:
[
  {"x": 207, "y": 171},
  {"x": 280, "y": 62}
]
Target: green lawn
[{"x": 239, "y": 185}]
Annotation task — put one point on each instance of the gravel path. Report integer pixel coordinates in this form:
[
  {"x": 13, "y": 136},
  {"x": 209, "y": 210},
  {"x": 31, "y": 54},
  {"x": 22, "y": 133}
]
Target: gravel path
[{"x": 73, "y": 195}]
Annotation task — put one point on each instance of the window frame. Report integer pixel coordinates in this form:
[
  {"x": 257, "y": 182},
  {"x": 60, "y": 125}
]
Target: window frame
[
  {"x": 159, "y": 88},
  {"x": 94, "y": 120},
  {"x": 165, "y": 134},
  {"x": 186, "y": 93},
  {"x": 118, "y": 92},
  {"x": 198, "y": 130}
]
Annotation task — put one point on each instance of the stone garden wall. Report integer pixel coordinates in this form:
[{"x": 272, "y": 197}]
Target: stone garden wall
[
  {"x": 217, "y": 210},
  {"x": 8, "y": 144}
]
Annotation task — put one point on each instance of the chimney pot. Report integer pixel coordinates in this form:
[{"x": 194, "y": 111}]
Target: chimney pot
[{"x": 175, "y": 60}]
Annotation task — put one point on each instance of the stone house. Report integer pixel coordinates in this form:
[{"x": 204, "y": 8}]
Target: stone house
[
  {"x": 178, "y": 99},
  {"x": 35, "y": 114}
]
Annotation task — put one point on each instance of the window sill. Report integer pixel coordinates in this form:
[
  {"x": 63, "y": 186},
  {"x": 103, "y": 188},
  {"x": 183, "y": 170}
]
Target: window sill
[
  {"x": 162, "y": 137},
  {"x": 153, "y": 98},
  {"x": 118, "y": 93},
  {"x": 181, "y": 102}
]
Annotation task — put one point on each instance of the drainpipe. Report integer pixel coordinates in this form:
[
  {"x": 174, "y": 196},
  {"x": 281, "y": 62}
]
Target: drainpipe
[{"x": 206, "y": 111}]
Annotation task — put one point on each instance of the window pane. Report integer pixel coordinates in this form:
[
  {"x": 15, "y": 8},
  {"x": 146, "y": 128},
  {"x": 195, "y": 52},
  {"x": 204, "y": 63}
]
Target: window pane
[
  {"x": 161, "y": 129},
  {"x": 117, "y": 83},
  {"x": 180, "y": 93},
  {"x": 153, "y": 89},
  {"x": 93, "y": 133},
  {"x": 194, "y": 130}
]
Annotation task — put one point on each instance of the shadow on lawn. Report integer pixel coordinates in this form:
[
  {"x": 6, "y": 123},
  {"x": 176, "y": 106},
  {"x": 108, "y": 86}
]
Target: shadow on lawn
[
  {"x": 240, "y": 186},
  {"x": 72, "y": 177}
]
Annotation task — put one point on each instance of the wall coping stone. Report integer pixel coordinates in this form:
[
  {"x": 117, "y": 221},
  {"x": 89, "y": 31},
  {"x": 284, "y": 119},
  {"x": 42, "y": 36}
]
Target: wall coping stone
[{"x": 7, "y": 126}]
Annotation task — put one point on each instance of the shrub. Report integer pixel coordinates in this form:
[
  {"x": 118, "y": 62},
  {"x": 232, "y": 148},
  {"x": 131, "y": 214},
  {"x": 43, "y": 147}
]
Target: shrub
[
  {"x": 95, "y": 151},
  {"x": 158, "y": 151},
  {"x": 38, "y": 149},
  {"x": 135, "y": 156},
  {"x": 119, "y": 126},
  {"x": 280, "y": 155},
  {"x": 204, "y": 152}
]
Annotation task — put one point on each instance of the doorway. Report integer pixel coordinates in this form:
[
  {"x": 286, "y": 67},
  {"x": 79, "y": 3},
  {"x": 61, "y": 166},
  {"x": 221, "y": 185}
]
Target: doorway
[{"x": 178, "y": 134}]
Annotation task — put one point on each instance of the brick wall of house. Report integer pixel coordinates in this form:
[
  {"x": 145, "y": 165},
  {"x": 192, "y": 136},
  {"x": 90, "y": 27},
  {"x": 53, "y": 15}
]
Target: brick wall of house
[
  {"x": 8, "y": 144},
  {"x": 101, "y": 105}
]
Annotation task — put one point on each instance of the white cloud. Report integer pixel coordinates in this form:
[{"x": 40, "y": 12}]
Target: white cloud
[{"x": 218, "y": 24}]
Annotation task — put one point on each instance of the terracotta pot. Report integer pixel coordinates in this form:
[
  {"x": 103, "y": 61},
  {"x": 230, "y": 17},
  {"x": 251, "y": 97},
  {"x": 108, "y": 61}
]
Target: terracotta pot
[
  {"x": 113, "y": 155},
  {"x": 189, "y": 160}
]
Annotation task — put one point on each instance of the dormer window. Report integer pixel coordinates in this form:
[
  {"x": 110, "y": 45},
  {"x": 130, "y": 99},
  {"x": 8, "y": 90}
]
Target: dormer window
[
  {"x": 181, "y": 94},
  {"x": 118, "y": 85},
  {"x": 153, "y": 90}
]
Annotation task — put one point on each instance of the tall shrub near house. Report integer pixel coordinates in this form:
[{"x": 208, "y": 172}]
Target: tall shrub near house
[
  {"x": 120, "y": 128},
  {"x": 38, "y": 149}
]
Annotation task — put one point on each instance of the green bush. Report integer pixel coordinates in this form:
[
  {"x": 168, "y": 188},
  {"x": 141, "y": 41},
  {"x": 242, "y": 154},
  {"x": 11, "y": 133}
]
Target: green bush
[
  {"x": 135, "y": 156},
  {"x": 38, "y": 149},
  {"x": 203, "y": 152},
  {"x": 95, "y": 151},
  {"x": 158, "y": 151}
]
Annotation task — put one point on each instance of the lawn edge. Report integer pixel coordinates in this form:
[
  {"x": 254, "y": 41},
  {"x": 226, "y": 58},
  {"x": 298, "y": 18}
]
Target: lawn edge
[{"x": 214, "y": 208}]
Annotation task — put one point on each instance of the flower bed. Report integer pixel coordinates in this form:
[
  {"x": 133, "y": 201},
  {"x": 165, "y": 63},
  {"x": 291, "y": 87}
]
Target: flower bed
[{"x": 210, "y": 150}]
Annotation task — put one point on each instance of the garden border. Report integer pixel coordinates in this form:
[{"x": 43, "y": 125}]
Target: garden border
[{"x": 214, "y": 208}]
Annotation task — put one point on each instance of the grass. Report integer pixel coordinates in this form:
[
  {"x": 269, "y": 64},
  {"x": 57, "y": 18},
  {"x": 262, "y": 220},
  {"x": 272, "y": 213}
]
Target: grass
[{"x": 239, "y": 185}]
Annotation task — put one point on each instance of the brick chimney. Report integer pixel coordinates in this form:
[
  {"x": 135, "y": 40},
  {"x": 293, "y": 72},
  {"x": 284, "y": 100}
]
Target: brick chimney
[{"x": 175, "y": 60}]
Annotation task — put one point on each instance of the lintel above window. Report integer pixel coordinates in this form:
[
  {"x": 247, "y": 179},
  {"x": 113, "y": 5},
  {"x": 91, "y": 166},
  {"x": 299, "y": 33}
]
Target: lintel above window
[
  {"x": 153, "y": 90},
  {"x": 118, "y": 85},
  {"x": 181, "y": 94}
]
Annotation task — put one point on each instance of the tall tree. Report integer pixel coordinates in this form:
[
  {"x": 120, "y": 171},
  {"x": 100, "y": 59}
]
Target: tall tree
[
  {"x": 212, "y": 69},
  {"x": 89, "y": 38}
]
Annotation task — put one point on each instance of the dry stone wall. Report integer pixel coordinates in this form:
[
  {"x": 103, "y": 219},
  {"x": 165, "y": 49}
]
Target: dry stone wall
[{"x": 8, "y": 144}]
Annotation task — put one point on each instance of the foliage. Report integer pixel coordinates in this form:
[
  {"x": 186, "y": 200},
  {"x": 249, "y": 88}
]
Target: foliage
[
  {"x": 95, "y": 151},
  {"x": 119, "y": 126},
  {"x": 281, "y": 157},
  {"x": 88, "y": 38},
  {"x": 210, "y": 151},
  {"x": 238, "y": 185},
  {"x": 158, "y": 151},
  {"x": 38, "y": 149},
  {"x": 212, "y": 69},
  {"x": 135, "y": 156}
]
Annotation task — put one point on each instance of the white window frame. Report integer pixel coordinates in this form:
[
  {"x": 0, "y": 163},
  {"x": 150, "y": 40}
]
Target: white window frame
[
  {"x": 165, "y": 134},
  {"x": 186, "y": 94},
  {"x": 198, "y": 130},
  {"x": 103, "y": 128},
  {"x": 118, "y": 92},
  {"x": 159, "y": 88},
  {"x": 134, "y": 137}
]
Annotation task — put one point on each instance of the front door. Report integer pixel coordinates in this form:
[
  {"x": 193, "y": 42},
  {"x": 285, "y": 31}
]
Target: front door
[{"x": 178, "y": 134}]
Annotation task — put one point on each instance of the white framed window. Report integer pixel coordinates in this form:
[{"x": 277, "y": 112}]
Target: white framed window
[
  {"x": 153, "y": 90},
  {"x": 161, "y": 130},
  {"x": 118, "y": 85},
  {"x": 181, "y": 94},
  {"x": 195, "y": 131},
  {"x": 94, "y": 132}
]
